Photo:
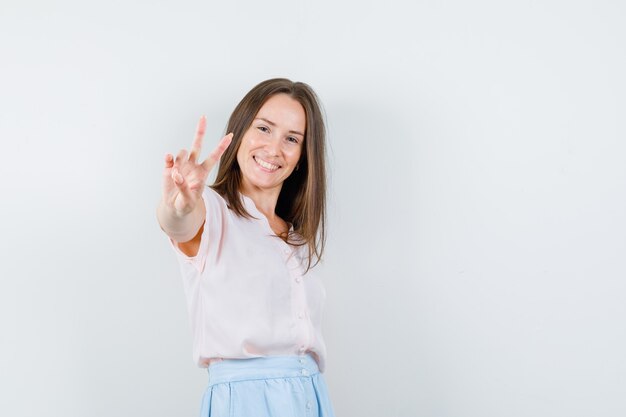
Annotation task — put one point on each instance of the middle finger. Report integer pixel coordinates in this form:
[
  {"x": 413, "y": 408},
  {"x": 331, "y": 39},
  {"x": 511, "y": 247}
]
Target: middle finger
[{"x": 196, "y": 146}]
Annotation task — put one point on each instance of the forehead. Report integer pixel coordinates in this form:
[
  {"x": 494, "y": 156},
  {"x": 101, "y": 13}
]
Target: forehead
[{"x": 284, "y": 111}]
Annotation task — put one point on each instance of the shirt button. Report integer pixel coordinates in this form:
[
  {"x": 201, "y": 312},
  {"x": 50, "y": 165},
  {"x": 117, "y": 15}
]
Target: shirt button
[
  {"x": 302, "y": 348},
  {"x": 298, "y": 279},
  {"x": 301, "y": 360},
  {"x": 301, "y": 315},
  {"x": 287, "y": 251},
  {"x": 309, "y": 405},
  {"x": 304, "y": 372}
]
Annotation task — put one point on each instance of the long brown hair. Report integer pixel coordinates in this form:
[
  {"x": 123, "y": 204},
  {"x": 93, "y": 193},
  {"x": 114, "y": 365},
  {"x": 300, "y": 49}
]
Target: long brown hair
[{"x": 302, "y": 199}]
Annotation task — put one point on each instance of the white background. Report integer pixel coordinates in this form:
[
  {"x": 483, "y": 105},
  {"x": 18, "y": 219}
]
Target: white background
[{"x": 475, "y": 264}]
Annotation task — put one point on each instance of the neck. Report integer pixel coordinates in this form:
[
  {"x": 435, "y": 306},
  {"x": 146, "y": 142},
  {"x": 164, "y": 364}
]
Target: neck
[{"x": 264, "y": 200}]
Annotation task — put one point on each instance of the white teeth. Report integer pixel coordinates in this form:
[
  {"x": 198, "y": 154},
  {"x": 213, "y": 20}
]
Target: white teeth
[{"x": 266, "y": 165}]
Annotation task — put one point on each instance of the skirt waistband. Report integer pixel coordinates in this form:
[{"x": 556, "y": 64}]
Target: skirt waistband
[{"x": 232, "y": 370}]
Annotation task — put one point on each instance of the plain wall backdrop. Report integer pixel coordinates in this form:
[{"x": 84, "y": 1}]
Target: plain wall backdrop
[{"x": 475, "y": 264}]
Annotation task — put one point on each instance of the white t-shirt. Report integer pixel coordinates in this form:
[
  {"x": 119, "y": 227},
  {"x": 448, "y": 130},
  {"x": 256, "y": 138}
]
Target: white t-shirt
[{"x": 246, "y": 293}]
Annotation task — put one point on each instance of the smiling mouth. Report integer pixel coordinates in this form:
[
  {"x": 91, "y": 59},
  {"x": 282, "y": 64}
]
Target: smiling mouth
[{"x": 265, "y": 164}]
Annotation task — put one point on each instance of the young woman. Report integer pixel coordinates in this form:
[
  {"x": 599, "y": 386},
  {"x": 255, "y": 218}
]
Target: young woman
[{"x": 247, "y": 246}]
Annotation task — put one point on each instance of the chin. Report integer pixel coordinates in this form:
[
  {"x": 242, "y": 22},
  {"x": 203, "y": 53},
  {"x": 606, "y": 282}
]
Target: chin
[{"x": 263, "y": 184}]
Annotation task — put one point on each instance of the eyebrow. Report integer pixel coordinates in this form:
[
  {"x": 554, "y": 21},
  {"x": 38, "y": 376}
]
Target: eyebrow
[{"x": 269, "y": 122}]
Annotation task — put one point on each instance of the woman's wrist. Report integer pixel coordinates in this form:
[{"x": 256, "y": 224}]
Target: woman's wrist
[{"x": 181, "y": 227}]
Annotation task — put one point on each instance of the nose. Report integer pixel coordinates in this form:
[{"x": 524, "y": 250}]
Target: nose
[{"x": 272, "y": 146}]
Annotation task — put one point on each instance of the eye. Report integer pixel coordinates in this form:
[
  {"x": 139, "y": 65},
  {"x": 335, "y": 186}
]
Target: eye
[
  {"x": 293, "y": 139},
  {"x": 263, "y": 129}
]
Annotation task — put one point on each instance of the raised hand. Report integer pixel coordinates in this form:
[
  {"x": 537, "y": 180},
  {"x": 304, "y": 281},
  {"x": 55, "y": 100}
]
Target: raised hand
[{"x": 184, "y": 177}]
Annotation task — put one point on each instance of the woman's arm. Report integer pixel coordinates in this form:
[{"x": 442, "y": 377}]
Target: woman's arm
[
  {"x": 181, "y": 228},
  {"x": 181, "y": 212}
]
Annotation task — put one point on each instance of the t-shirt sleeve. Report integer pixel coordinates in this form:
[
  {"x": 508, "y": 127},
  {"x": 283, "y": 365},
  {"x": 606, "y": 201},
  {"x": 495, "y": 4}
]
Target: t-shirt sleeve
[{"x": 216, "y": 209}]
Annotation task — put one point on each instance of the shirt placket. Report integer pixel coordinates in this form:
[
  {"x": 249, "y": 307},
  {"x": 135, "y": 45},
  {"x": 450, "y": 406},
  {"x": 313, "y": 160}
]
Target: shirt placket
[
  {"x": 298, "y": 292},
  {"x": 298, "y": 299}
]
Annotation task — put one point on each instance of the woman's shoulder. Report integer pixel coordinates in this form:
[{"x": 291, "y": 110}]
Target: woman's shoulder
[
  {"x": 214, "y": 200},
  {"x": 212, "y": 194}
]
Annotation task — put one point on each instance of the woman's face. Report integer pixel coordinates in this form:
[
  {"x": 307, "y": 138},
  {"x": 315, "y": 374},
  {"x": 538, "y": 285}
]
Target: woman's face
[{"x": 271, "y": 148}]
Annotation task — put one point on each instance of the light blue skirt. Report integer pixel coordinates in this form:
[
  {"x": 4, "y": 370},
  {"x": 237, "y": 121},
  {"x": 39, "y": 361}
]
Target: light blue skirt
[{"x": 274, "y": 386}]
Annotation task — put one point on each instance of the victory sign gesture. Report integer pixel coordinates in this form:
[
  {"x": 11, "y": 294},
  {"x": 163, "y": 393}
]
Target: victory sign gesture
[{"x": 181, "y": 212}]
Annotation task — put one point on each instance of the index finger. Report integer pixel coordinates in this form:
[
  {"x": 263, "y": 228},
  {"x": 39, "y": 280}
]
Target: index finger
[
  {"x": 217, "y": 152},
  {"x": 196, "y": 146}
]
